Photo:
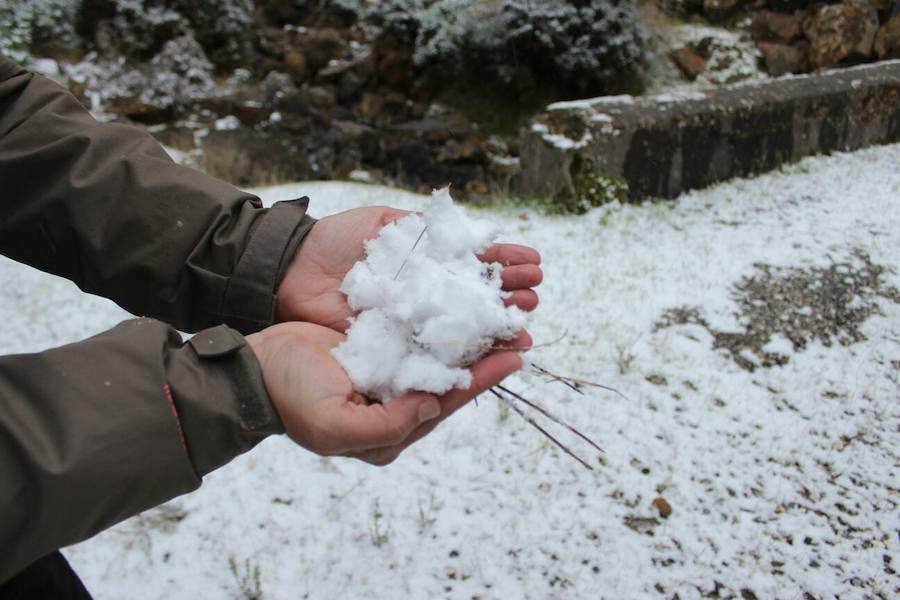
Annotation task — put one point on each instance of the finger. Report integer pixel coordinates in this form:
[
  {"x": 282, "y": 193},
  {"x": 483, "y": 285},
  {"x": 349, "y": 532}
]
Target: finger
[
  {"x": 363, "y": 427},
  {"x": 511, "y": 254},
  {"x": 520, "y": 277},
  {"x": 527, "y": 300},
  {"x": 521, "y": 343},
  {"x": 389, "y": 215},
  {"x": 380, "y": 457},
  {"x": 486, "y": 373}
]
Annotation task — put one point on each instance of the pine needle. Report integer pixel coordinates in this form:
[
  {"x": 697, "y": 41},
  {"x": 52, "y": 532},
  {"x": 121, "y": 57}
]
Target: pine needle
[
  {"x": 403, "y": 264},
  {"x": 574, "y": 382}
]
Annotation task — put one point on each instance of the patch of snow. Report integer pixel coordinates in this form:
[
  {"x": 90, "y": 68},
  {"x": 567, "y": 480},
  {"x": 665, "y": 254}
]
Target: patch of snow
[
  {"x": 177, "y": 155},
  {"x": 227, "y": 123},
  {"x": 45, "y": 66},
  {"x": 680, "y": 95},
  {"x": 505, "y": 161},
  {"x": 779, "y": 345},
  {"x": 566, "y": 143},
  {"x": 589, "y": 103},
  {"x": 179, "y": 72}
]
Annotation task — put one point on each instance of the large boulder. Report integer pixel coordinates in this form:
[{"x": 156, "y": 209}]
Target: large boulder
[
  {"x": 887, "y": 42},
  {"x": 689, "y": 61},
  {"x": 717, "y": 11},
  {"x": 771, "y": 26},
  {"x": 782, "y": 59},
  {"x": 839, "y": 33}
]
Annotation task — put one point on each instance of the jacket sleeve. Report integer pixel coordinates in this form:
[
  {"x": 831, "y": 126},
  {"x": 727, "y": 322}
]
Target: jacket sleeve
[
  {"x": 102, "y": 204},
  {"x": 96, "y": 431}
]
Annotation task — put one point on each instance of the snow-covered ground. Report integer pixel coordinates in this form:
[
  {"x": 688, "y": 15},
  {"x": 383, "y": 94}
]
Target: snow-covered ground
[{"x": 783, "y": 481}]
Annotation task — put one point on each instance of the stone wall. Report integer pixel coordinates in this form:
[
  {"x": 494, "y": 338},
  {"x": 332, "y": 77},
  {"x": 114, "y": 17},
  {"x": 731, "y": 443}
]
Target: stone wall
[{"x": 660, "y": 147}]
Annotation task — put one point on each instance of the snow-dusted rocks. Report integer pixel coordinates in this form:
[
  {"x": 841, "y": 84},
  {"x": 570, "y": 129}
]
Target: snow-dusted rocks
[{"x": 429, "y": 307}]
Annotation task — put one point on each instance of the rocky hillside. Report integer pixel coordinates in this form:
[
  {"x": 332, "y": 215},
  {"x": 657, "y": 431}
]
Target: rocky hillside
[{"x": 414, "y": 92}]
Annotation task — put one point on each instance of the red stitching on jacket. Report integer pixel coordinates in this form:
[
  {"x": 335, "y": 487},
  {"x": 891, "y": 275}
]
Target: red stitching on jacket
[{"x": 168, "y": 391}]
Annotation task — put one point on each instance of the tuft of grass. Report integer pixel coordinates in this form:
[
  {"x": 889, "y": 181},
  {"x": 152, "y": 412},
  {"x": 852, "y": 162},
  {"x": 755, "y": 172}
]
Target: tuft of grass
[
  {"x": 379, "y": 532},
  {"x": 248, "y": 578}
]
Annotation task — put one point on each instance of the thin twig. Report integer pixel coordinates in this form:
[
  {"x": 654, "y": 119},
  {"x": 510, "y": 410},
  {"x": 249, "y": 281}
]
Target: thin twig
[
  {"x": 551, "y": 416},
  {"x": 553, "y": 377},
  {"x": 534, "y": 424},
  {"x": 570, "y": 381},
  {"x": 492, "y": 347},
  {"x": 403, "y": 264}
]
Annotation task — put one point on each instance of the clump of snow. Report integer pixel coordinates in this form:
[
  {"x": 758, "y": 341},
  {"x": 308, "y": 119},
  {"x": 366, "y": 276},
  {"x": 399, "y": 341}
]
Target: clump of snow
[{"x": 429, "y": 307}]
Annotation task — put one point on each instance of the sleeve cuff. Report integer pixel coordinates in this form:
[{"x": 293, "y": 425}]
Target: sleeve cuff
[
  {"x": 8, "y": 68},
  {"x": 249, "y": 302},
  {"x": 219, "y": 395}
]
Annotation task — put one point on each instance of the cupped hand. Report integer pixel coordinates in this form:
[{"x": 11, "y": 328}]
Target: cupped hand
[
  {"x": 310, "y": 290},
  {"x": 321, "y": 411}
]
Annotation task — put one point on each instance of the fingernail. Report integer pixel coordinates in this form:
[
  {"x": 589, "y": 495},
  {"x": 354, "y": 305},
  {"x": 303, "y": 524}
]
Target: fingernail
[{"x": 428, "y": 410}]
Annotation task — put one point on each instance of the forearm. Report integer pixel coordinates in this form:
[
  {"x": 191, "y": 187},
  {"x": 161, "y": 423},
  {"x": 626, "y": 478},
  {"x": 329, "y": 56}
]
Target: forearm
[
  {"x": 97, "y": 431},
  {"x": 103, "y": 205}
]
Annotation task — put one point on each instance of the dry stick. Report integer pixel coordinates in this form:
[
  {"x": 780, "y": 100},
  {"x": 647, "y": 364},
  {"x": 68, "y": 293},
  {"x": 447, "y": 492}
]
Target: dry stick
[
  {"x": 492, "y": 347},
  {"x": 573, "y": 380},
  {"x": 534, "y": 424},
  {"x": 551, "y": 416},
  {"x": 553, "y": 377},
  {"x": 403, "y": 264}
]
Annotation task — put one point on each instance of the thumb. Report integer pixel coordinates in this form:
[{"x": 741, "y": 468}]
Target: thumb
[{"x": 380, "y": 425}]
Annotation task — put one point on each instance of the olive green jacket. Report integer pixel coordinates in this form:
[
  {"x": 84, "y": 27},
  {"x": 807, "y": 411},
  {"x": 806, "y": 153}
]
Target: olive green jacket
[{"x": 94, "y": 432}]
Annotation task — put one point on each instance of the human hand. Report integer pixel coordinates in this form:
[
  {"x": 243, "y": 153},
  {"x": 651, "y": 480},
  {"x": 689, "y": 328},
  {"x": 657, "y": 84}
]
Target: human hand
[
  {"x": 310, "y": 290},
  {"x": 321, "y": 411}
]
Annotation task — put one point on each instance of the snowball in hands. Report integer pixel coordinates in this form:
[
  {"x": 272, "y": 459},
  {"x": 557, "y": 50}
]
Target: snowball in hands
[{"x": 428, "y": 310}]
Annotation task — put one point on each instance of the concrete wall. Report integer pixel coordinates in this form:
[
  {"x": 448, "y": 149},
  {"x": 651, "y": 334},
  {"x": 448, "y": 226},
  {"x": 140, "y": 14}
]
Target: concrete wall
[{"x": 663, "y": 146}]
